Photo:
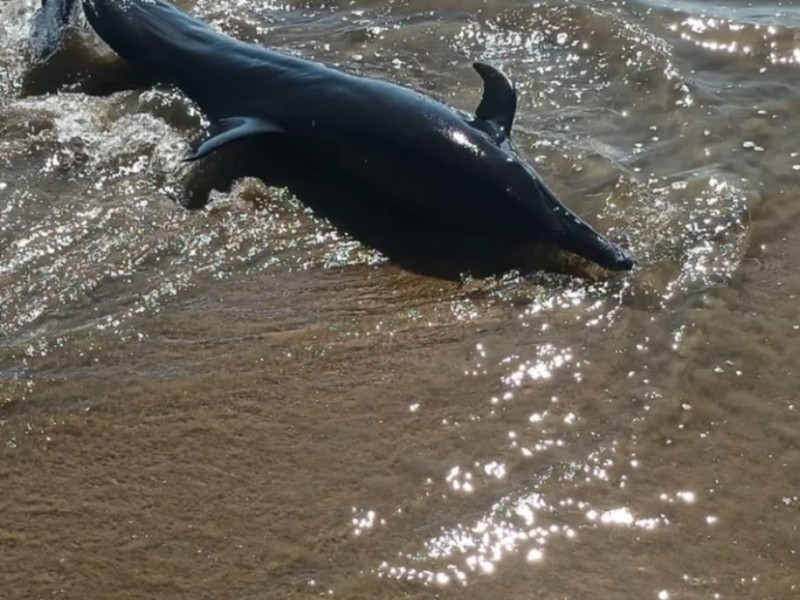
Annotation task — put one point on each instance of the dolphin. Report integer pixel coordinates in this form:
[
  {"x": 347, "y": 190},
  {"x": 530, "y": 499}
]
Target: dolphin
[{"x": 416, "y": 150}]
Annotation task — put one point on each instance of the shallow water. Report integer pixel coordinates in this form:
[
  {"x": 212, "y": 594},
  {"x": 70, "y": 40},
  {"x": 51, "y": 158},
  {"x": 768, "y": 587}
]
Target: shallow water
[{"x": 243, "y": 402}]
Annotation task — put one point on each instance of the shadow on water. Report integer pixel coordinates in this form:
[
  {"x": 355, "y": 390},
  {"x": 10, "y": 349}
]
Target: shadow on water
[{"x": 70, "y": 68}]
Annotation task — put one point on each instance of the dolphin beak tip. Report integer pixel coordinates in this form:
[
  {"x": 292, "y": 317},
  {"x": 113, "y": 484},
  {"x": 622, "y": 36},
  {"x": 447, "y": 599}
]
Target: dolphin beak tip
[{"x": 622, "y": 261}]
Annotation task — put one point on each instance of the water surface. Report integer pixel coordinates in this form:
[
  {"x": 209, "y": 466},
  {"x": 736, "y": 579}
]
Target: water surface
[{"x": 242, "y": 401}]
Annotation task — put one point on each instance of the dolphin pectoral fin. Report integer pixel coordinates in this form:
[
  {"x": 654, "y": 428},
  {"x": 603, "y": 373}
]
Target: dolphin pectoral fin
[
  {"x": 499, "y": 102},
  {"x": 227, "y": 130}
]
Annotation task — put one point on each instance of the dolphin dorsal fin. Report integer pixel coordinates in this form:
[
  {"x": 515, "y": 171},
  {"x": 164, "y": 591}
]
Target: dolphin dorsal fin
[
  {"x": 227, "y": 130},
  {"x": 499, "y": 102}
]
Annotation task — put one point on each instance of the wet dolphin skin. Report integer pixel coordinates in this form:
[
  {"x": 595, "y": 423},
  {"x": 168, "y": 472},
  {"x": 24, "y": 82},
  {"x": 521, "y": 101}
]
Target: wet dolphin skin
[{"x": 413, "y": 148}]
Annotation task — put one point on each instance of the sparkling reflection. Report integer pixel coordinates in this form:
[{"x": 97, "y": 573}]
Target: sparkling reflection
[
  {"x": 549, "y": 358},
  {"x": 776, "y": 44},
  {"x": 364, "y": 520},
  {"x": 522, "y": 526}
]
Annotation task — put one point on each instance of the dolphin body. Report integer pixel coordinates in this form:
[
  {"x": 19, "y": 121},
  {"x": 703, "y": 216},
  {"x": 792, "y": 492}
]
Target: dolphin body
[{"x": 414, "y": 149}]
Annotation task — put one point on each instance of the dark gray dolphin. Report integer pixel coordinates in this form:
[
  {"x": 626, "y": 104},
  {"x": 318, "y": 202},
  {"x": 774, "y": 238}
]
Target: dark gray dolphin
[{"x": 415, "y": 149}]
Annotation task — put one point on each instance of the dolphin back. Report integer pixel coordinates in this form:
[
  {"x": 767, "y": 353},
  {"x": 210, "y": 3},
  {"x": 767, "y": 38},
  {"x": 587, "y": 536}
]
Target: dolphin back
[{"x": 157, "y": 38}]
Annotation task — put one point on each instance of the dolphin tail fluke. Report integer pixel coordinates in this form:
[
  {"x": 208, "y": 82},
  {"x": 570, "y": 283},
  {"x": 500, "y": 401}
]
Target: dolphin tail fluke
[{"x": 50, "y": 26}]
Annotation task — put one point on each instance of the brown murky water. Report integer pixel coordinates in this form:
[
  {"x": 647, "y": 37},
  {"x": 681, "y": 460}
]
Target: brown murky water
[{"x": 241, "y": 402}]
